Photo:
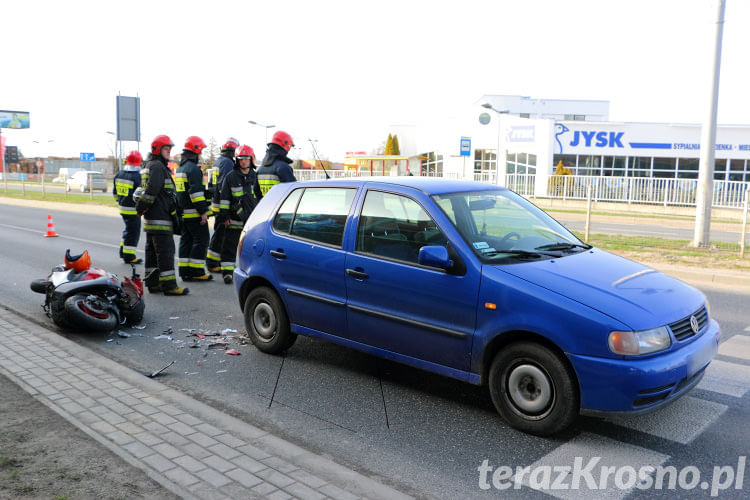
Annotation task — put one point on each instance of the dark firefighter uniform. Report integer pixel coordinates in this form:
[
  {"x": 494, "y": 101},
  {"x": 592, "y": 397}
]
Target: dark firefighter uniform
[
  {"x": 274, "y": 169},
  {"x": 128, "y": 180},
  {"x": 237, "y": 189},
  {"x": 158, "y": 206},
  {"x": 191, "y": 197},
  {"x": 224, "y": 165}
]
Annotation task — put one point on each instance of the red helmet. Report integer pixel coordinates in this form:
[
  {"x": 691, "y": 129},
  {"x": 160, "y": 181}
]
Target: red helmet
[
  {"x": 134, "y": 158},
  {"x": 231, "y": 143},
  {"x": 195, "y": 144},
  {"x": 159, "y": 142},
  {"x": 77, "y": 262},
  {"x": 245, "y": 151},
  {"x": 283, "y": 139}
]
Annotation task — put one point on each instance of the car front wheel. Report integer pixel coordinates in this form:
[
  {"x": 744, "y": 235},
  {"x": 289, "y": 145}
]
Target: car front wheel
[
  {"x": 266, "y": 321},
  {"x": 533, "y": 389}
]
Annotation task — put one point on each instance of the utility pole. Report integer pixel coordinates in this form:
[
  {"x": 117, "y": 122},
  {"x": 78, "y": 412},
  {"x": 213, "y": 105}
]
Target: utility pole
[{"x": 704, "y": 194}]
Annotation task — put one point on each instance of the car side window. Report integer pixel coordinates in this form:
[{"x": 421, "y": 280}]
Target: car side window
[
  {"x": 283, "y": 220},
  {"x": 395, "y": 227},
  {"x": 322, "y": 213}
]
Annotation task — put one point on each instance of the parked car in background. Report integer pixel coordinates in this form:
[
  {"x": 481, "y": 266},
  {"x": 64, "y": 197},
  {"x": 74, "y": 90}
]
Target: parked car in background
[
  {"x": 82, "y": 180},
  {"x": 474, "y": 282}
]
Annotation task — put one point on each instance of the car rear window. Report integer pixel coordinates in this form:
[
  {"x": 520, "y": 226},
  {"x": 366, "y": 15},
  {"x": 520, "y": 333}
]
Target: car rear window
[{"x": 320, "y": 214}]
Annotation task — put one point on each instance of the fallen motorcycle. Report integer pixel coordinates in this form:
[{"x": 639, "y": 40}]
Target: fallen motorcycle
[{"x": 80, "y": 297}]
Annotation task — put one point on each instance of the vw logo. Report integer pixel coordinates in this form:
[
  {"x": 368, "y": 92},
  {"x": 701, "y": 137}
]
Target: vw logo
[{"x": 694, "y": 324}]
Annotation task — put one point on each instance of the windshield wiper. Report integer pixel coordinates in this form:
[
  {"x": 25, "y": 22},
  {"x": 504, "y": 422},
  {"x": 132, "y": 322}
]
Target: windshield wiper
[
  {"x": 563, "y": 246},
  {"x": 520, "y": 253}
]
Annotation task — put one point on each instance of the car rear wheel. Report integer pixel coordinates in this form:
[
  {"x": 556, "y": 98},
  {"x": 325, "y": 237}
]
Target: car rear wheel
[
  {"x": 533, "y": 389},
  {"x": 266, "y": 321}
]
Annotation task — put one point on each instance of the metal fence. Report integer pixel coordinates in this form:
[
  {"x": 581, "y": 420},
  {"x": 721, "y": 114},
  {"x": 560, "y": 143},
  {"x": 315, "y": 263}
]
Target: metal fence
[{"x": 646, "y": 190}]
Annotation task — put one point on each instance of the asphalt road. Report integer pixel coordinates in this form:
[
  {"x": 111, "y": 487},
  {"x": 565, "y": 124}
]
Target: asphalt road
[
  {"x": 426, "y": 433},
  {"x": 656, "y": 231}
]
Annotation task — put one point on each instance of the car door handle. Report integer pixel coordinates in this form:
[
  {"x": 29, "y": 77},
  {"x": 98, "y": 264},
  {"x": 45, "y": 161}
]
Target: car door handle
[
  {"x": 357, "y": 274},
  {"x": 277, "y": 254}
]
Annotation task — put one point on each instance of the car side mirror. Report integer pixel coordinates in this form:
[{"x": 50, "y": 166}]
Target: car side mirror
[{"x": 434, "y": 256}]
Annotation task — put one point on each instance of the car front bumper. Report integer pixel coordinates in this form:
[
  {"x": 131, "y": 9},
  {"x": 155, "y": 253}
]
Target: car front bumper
[{"x": 641, "y": 385}]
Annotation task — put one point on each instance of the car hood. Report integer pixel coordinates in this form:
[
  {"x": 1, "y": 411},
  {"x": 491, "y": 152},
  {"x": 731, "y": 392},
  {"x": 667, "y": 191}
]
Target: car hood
[{"x": 627, "y": 291}]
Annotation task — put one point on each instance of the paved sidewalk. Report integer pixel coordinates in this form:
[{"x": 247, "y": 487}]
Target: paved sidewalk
[{"x": 188, "y": 447}]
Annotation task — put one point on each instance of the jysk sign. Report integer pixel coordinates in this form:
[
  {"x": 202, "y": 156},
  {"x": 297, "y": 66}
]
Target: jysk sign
[
  {"x": 465, "y": 146},
  {"x": 15, "y": 119},
  {"x": 87, "y": 157}
]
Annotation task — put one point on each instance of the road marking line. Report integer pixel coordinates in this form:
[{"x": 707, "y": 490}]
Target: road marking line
[
  {"x": 587, "y": 446},
  {"x": 727, "y": 378},
  {"x": 670, "y": 422},
  {"x": 737, "y": 347},
  {"x": 110, "y": 245}
]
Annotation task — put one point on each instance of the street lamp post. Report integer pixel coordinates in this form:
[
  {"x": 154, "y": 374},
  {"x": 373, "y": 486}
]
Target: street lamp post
[
  {"x": 116, "y": 151},
  {"x": 266, "y": 127},
  {"x": 501, "y": 170}
]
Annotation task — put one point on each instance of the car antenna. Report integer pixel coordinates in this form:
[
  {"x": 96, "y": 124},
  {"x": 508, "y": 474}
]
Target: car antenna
[{"x": 318, "y": 158}]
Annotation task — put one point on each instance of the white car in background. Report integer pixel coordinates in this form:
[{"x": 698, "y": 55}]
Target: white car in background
[{"x": 81, "y": 181}]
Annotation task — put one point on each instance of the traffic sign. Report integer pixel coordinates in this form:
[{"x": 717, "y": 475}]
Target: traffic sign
[
  {"x": 465, "y": 146},
  {"x": 87, "y": 157}
]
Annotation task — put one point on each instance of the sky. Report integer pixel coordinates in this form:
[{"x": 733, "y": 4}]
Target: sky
[{"x": 344, "y": 72}]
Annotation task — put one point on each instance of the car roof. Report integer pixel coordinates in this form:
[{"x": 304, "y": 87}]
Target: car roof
[{"x": 428, "y": 185}]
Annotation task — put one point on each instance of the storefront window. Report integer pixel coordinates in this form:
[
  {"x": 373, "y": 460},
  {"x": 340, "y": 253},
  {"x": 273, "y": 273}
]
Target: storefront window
[
  {"x": 736, "y": 170},
  {"x": 569, "y": 161},
  {"x": 484, "y": 160},
  {"x": 665, "y": 167},
  {"x": 589, "y": 165},
  {"x": 432, "y": 165}
]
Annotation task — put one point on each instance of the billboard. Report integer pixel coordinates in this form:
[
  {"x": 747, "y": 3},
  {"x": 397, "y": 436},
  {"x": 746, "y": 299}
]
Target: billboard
[
  {"x": 128, "y": 118},
  {"x": 15, "y": 119}
]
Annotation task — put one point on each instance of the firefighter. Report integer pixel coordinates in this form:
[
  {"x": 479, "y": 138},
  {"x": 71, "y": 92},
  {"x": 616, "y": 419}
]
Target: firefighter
[
  {"x": 127, "y": 181},
  {"x": 275, "y": 167},
  {"x": 237, "y": 188},
  {"x": 158, "y": 206},
  {"x": 191, "y": 197},
  {"x": 223, "y": 165}
]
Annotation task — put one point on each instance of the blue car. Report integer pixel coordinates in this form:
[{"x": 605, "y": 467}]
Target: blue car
[{"x": 474, "y": 282}]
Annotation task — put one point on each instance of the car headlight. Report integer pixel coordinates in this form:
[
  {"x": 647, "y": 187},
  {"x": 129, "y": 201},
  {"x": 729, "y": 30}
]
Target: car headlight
[
  {"x": 637, "y": 343},
  {"x": 708, "y": 309}
]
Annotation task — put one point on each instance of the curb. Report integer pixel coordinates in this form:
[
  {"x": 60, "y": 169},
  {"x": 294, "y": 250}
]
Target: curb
[
  {"x": 700, "y": 276},
  {"x": 322, "y": 467}
]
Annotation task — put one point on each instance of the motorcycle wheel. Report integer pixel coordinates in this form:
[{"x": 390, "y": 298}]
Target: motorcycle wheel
[
  {"x": 87, "y": 315},
  {"x": 134, "y": 315}
]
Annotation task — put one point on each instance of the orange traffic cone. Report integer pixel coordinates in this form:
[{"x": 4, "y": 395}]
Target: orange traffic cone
[{"x": 50, "y": 227}]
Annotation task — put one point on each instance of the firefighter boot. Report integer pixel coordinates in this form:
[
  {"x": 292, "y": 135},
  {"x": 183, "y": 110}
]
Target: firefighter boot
[{"x": 202, "y": 277}]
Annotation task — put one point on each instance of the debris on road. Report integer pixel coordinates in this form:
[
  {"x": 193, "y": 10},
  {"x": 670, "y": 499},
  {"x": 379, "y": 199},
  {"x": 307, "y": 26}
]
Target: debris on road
[
  {"x": 157, "y": 372},
  {"x": 233, "y": 352}
]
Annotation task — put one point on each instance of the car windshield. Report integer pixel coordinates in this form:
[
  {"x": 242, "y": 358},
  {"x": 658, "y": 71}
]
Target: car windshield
[{"x": 502, "y": 227}]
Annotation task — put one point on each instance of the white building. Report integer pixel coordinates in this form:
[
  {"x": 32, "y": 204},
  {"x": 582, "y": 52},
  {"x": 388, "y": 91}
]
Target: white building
[{"x": 535, "y": 134}]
